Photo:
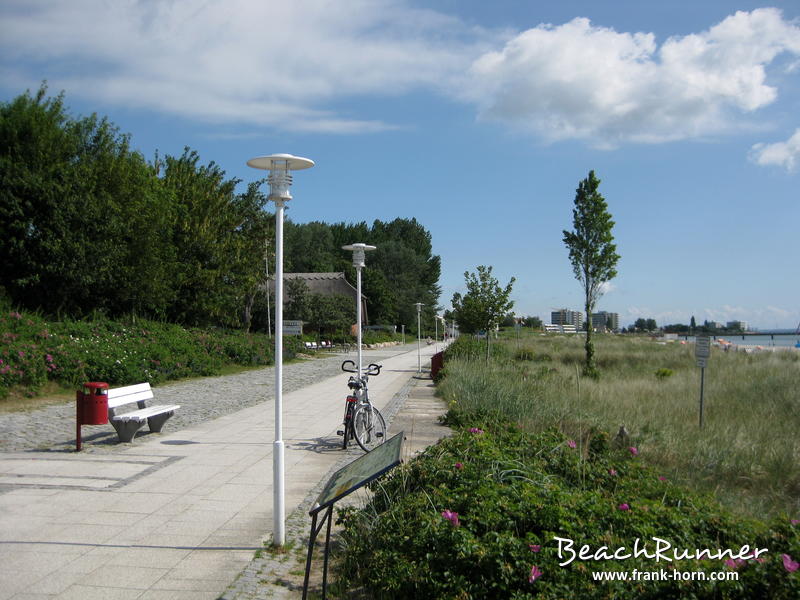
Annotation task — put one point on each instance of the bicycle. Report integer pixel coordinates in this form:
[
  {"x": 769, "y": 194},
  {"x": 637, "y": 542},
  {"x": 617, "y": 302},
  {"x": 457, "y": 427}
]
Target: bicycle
[{"x": 362, "y": 421}]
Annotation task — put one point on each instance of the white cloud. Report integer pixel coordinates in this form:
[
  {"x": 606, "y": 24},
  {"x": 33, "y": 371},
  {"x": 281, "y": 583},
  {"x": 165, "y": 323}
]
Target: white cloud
[
  {"x": 300, "y": 65},
  {"x": 579, "y": 81},
  {"x": 280, "y": 64},
  {"x": 782, "y": 154}
]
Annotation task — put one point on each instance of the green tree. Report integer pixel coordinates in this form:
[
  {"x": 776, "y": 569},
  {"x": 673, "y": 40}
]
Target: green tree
[
  {"x": 82, "y": 217},
  {"x": 330, "y": 313},
  {"x": 298, "y": 306},
  {"x": 592, "y": 252},
  {"x": 484, "y": 305}
]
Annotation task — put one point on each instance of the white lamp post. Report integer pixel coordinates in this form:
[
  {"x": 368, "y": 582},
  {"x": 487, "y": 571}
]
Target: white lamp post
[
  {"x": 358, "y": 251},
  {"x": 419, "y": 306},
  {"x": 280, "y": 180}
]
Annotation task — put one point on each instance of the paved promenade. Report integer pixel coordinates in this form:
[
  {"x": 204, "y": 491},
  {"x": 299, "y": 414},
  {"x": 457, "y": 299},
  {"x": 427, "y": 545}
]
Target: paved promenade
[{"x": 177, "y": 515}]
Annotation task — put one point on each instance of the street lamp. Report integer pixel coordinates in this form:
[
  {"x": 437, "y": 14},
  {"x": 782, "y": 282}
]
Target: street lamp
[
  {"x": 419, "y": 306},
  {"x": 358, "y": 251},
  {"x": 280, "y": 180}
]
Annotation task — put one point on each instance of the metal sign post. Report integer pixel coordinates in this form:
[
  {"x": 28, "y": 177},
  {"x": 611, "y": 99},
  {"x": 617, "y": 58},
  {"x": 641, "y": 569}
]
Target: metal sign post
[
  {"x": 702, "y": 351},
  {"x": 345, "y": 481}
]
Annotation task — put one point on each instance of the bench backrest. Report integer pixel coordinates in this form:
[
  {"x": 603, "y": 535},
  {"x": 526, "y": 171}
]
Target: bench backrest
[{"x": 132, "y": 393}]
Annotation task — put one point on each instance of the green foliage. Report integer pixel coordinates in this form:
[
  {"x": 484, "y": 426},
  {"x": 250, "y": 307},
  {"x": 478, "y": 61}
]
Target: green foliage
[
  {"x": 524, "y": 354},
  {"x": 591, "y": 251},
  {"x": 745, "y": 453},
  {"x": 485, "y": 302},
  {"x": 472, "y": 515},
  {"x": 35, "y": 351},
  {"x": 663, "y": 373},
  {"x": 468, "y": 347},
  {"x": 87, "y": 224}
]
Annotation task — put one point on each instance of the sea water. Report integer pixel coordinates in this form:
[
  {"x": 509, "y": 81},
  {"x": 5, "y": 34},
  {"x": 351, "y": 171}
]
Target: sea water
[{"x": 778, "y": 339}]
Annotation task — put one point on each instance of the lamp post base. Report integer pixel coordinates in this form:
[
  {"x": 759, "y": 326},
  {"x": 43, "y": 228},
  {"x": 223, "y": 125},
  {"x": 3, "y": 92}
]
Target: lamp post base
[{"x": 278, "y": 507}]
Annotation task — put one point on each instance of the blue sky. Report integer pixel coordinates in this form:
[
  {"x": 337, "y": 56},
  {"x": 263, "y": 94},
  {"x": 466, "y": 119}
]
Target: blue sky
[{"x": 479, "y": 119}]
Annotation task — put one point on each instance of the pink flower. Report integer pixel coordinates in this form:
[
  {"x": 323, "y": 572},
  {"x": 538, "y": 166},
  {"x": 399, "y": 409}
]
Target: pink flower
[
  {"x": 662, "y": 478},
  {"x": 572, "y": 444},
  {"x": 793, "y": 521},
  {"x": 624, "y": 506},
  {"x": 789, "y": 564},
  {"x": 612, "y": 472},
  {"x": 451, "y": 516},
  {"x": 459, "y": 465},
  {"x": 633, "y": 451},
  {"x": 535, "y": 547},
  {"x": 48, "y": 358},
  {"x": 535, "y": 574},
  {"x": 21, "y": 354},
  {"x": 477, "y": 430},
  {"x": 734, "y": 564}
]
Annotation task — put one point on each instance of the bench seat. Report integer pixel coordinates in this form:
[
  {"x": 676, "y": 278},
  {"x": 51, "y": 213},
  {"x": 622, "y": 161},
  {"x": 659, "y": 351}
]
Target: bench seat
[{"x": 129, "y": 423}]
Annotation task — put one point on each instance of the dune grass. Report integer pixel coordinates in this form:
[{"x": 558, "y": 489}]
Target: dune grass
[{"x": 747, "y": 454}]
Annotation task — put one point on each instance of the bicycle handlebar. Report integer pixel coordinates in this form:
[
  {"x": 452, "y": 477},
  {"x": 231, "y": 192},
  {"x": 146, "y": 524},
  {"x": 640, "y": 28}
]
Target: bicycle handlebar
[{"x": 372, "y": 370}]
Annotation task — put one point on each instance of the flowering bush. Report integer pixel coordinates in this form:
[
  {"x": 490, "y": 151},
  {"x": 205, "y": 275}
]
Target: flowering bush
[
  {"x": 34, "y": 351},
  {"x": 487, "y": 529}
]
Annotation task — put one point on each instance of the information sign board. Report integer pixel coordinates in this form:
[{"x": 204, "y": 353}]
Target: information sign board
[
  {"x": 702, "y": 349},
  {"x": 292, "y": 327},
  {"x": 361, "y": 471}
]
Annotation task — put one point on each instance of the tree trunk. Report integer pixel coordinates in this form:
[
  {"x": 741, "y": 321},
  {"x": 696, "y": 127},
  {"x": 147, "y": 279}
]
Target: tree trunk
[{"x": 590, "y": 369}]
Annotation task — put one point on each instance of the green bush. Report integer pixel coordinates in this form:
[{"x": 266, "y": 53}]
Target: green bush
[
  {"x": 469, "y": 347},
  {"x": 664, "y": 373},
  {"x": 472, "y": 516},
  {"x": 524, "y": 354},
  {"x": 35, "y": 351}
]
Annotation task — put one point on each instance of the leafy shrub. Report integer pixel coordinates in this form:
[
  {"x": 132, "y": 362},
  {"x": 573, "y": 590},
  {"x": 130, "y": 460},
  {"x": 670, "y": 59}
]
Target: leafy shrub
[
  {"x": 467, "y": 346},
  {"x": 663, "y": 373},
  {"x": 473, "y": 515},
  {"x": 524, "y": 354},
  {"x": 35, "y": 351}
]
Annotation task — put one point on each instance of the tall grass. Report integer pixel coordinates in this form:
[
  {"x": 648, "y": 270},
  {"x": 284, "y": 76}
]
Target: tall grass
[{"x": 747, "y": 454}]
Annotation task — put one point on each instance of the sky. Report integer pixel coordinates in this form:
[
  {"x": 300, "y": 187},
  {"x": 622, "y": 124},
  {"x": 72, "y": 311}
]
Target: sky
[{"x": 479, "y": 119}]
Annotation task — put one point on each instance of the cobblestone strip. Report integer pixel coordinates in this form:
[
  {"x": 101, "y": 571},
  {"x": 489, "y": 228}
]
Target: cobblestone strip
[{"x": 202, "y": 399}]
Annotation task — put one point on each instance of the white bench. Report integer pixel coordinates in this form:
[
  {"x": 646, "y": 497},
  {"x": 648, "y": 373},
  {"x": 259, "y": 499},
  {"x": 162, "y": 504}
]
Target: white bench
[{"x": 127, "y": 424}]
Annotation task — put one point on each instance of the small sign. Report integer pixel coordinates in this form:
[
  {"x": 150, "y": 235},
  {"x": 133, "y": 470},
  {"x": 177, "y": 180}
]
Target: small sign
[
  {"x": 292, "y": 327},
  {"x": 361, "y": 471},
  {"x": 702, "y": 362},
  {"x": 702, "y": 347}
]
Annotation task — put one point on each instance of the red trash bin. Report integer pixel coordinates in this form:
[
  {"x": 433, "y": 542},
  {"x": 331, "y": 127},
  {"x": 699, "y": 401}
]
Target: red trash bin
[
  {"x": 91, "y": 406},
  {"x": 93, "y": 403}
]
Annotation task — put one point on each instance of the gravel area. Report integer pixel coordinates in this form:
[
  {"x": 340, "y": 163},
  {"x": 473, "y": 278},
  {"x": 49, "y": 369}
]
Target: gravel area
[{"x": 53, "y": 428}]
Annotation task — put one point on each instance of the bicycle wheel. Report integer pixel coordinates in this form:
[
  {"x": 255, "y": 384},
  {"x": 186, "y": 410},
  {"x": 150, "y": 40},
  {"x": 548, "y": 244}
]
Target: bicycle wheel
[{"x": 369, "y": 428}]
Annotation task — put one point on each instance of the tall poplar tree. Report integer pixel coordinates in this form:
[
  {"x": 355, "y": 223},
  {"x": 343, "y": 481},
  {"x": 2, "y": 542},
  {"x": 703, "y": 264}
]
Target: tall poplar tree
[{"x": 592, "y": 252}]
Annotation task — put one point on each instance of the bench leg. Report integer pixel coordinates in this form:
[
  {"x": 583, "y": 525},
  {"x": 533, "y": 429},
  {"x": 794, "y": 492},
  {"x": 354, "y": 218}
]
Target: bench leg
[
  {"x": 126, "y": 430},
  {"x": 157, "y": 422}
]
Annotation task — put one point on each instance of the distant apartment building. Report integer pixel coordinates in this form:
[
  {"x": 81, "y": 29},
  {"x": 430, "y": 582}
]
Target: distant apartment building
[
  {"x": 737, "y": 325},
  {"x": 605, "y": 321},
  {"x": 565, "y": 316}
]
